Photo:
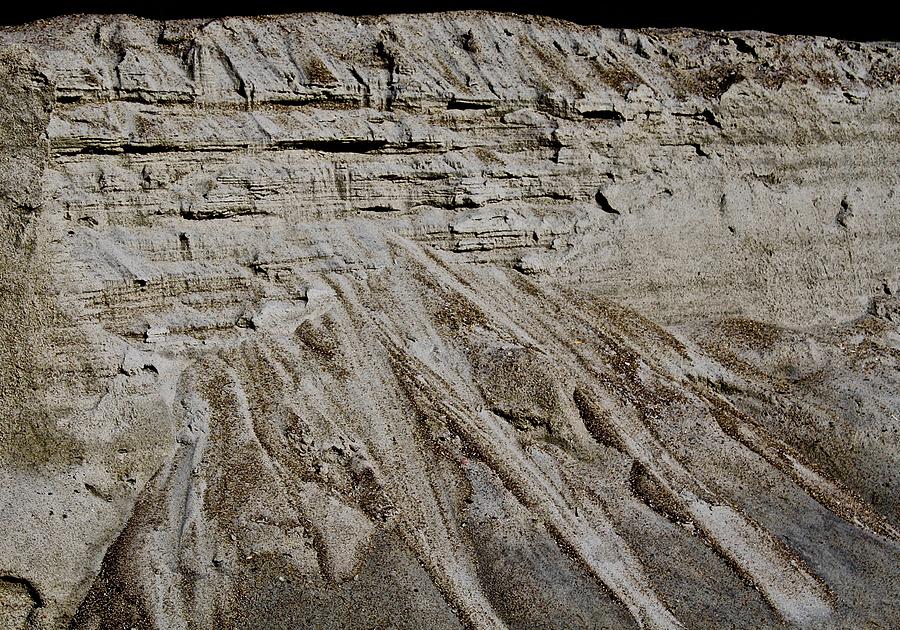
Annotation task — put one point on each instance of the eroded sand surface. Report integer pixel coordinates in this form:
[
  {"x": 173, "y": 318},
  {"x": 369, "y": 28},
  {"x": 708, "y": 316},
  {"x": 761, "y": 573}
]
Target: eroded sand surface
[{"x": 447, "y": 321}]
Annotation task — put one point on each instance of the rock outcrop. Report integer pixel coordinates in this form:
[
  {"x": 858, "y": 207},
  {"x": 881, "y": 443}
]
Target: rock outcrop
[{"x": 447, "y": 320}]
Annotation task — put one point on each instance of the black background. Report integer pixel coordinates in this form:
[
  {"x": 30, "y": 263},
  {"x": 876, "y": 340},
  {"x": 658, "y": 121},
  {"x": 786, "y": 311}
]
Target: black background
[{"x": 858, "y": 21}]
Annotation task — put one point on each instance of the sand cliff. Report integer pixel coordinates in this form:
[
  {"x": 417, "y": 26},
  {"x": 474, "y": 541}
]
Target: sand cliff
[{"x": 447, "y": 320}]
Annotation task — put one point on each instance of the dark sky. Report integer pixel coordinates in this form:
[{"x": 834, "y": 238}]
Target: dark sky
[{"x": 857, "y": 20}]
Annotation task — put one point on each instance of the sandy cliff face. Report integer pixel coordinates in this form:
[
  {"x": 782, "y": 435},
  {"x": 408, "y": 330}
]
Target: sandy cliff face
[{"x": 446, "y": 320}]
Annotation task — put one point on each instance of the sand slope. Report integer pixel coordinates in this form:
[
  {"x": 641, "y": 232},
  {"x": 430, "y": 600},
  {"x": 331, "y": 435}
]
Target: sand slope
[{"x": 452, "y": 320}]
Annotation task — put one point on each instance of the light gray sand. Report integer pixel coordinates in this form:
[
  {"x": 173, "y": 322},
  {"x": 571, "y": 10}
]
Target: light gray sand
[{"x": 446, "y": 320}]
